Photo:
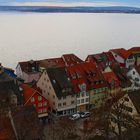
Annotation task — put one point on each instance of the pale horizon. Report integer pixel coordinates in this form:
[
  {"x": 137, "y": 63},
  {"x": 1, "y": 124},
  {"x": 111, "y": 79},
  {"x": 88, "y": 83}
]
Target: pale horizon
[{"x": 99, "y": 3}]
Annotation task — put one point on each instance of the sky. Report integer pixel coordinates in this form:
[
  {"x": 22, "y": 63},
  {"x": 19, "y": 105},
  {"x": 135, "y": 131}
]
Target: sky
[{"x": 132, "y": 3}]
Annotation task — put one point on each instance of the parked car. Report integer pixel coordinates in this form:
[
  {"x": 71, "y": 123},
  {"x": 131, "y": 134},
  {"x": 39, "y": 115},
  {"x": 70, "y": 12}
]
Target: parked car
[
  {"x": 75, "y": 116},
  {"x": 84, "y": 114}
]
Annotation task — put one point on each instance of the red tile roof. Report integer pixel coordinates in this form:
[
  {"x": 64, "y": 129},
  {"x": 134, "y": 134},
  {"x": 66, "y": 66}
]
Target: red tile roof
[
  {"x": 85, "y": 73},
  {"x": 26, "y": 65},
  {"x": 28, "y": 92},
  {"x": 110, "y": 77},
  {"x": 110, "y": 57},
  {"x": 59, "y": 62},
  {"x": 71, "y": 59},
  {"x": 65, "y": 60},
  {"x": 122, "y": 52},
  {"x": 102, "y": 59},
  {"x": 134, "y": 50}
]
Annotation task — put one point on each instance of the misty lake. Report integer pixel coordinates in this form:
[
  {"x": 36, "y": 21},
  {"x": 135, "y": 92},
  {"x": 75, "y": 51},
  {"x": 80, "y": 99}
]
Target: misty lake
[{"x": 25, "y": 36}]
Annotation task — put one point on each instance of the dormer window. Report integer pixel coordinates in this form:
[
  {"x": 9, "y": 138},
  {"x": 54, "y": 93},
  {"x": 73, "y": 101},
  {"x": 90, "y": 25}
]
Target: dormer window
[
  {"x": 33, "y": 68},
  {"x": 70, "y": 89},
  {"x": 63, "y": 90},
  {"x": 95, "y": 82},
  {"x": 39, "y": 98},
  {"x": 32, "y": 99},
  {"x": 54, "y": 81},
  {"x": 82, "y": 87},
  {"x": 78, "y": 75},
  {"x": 73, "y": 76},
  {"x": 68, "y": 79}
]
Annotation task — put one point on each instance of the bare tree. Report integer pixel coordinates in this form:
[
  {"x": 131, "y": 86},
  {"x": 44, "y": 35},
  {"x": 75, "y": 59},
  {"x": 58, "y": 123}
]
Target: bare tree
[
  {"x": 27, "y": 124},
  {"x": 62, "y": 129},
  {"x": 114, "y": 118}
]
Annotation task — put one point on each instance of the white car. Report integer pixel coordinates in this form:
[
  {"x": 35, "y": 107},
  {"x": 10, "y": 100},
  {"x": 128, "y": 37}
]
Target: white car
[
  {"x": 84, "y": 114},
  {"x": 75, "y": 116}
]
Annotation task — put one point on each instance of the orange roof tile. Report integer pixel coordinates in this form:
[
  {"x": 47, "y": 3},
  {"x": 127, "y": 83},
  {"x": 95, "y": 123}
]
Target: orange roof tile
[
  {"x": 122, "y": 52},
  {"x": 134, "y": 50},
  {"x": 28, "y": 92}
]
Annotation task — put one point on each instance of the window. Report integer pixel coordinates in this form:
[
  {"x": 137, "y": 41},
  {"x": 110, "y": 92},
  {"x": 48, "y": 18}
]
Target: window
[
  {"x": 78, "y": 95},
  {"x": 64, "y": 97},
  {"x": 137, "y": 79},
  {"x": 87, "y": 99},
  {"x": 68, "y": 79},
  {"x": 33, "y": 68},
  {"x": 40, "y": 111},
  {"x": 133, "y": 72},
  {"x": 44, "y": 110},
  {"x": 72, "y": 95},
  {"x": 39, "y": 98},
  {"x": 63, "y": 90},
  {"x": 42, "y": 83},
  {"x": 53, "y": 97},
  {"x": 32, "y": 99},
  {"x": 45, "y": 104},
  {"x": 44, "y": 79},
  {"x": 53, "y": 103},
  {"x": 49, "y": 87},
  {"x": 70, "y": 90},
  {"x": 82, "y": 94},
  {"x": 39, "y": 104},
  {"x": 64, "y": 104},
  {"x": 129, "y": 109},
  {"x": 72, "y": 102},
  {"x": 78, "y": 101},
  {"x": 82, "y": 101},
  {"x": 96, "y": 90},
  {"x": 59, "y": 105}
]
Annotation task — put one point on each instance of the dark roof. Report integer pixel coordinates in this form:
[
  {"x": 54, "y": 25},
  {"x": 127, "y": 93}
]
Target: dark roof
[
  {"x": 60, "y": 81},
  {"x": 135, "y": 98},
  {"x": 65, "y": 60},
  {"x": 71, "y": 59},
  {"x": 52, "y": 62},
  {"x": 5, "y": 77},
  {"x": 134, "y": 50},
  {"x": 121, "y": 75},
  {"x": 10, "y": 72},
  {"x": 8, "y": 86},
  {"x": 30, "y": 66},
  {"x": 102, "y": 60}
]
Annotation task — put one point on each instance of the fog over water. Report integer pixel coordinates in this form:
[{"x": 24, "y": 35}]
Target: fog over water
[{"x": 25, "y": 36}]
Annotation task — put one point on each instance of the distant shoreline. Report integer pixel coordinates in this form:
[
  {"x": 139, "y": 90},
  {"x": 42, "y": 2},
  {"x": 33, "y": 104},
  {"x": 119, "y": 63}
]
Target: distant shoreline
[{"x": 51, "y": 9}]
